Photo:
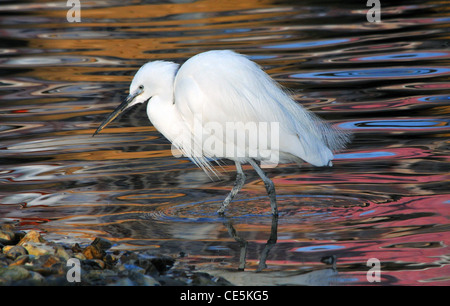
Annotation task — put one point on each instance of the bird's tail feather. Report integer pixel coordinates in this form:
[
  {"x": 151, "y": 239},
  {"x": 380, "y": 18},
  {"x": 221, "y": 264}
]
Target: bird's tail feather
[{"x": 194, "y": 152}]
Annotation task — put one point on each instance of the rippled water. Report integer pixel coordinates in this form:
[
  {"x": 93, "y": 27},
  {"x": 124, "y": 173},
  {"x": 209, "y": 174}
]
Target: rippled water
[{"x": 386, "y": 197}]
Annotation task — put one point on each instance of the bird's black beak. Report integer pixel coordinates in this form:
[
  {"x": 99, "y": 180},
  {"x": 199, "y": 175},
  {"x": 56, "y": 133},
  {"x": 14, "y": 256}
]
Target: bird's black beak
[{"x": 117, "y": 111}]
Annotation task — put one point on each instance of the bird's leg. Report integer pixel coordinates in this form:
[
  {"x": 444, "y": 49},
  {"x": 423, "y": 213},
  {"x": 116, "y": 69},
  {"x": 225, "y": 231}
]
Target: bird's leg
[
  {"x": 270, "y": 187},
  {"x": 242, "y": 243},
  {"x": 240, "y": 180}
]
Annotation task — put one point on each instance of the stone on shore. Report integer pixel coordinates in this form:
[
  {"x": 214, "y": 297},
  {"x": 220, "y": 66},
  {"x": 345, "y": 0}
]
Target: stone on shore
[{"x": 28, "y": 259}]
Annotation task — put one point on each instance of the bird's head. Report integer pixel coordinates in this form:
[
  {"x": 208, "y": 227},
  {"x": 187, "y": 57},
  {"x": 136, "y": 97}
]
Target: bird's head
[{"x": 153, "y": 78}]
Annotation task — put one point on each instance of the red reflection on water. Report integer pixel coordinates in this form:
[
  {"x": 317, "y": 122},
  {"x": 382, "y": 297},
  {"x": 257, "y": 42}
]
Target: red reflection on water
[
  {"x": 389, "y": 105},
  {"x": 32, "y": 221},
  {"x": 408, "y": 236}
]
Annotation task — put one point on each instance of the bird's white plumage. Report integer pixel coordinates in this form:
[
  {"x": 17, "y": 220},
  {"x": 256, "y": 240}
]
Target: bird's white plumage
[{"x": 223, "y": 86}]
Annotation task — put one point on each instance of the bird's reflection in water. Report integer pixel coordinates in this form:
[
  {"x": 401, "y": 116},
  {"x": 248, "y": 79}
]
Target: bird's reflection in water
[
  {"x": 326, "y": 276},
  {"x": 319, "y": 277},
  {"x": 244, "y": 244}
]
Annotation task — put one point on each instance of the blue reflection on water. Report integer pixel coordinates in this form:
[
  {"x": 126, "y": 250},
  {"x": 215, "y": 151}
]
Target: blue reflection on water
[
  {"x": 398, "y": 124},
  {"x": 396, "y": 56},
  {"x": 367, "y": 212},
  {"x": 316, "y": 248},
  {"x": 364, "y": 155},
  {"x": 435, "y": 99},
  {"x": 306, "y": 44},
  {"x": 398, "y": 72}
]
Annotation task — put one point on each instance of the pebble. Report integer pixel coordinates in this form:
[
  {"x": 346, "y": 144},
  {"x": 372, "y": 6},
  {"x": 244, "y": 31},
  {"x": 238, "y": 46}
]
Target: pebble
[
  {"x": 32, "y": 236},
  {"x": 28, "y": 259},
  {"x": 93, "y": 252},
  {"x": 14, "y": 251},
  {"x": 95, "y": 264},
  {"x": 38, "y": 249},
  {"x": 13, "y": 273},
  {"x": 36, "y": 278},
  {"x": 79, "y": 256},
  {"x": 61, "y": 252},
  {"x": 102, "y": 244},
  {"x": 6, "y": 236},
  {"x": 20, "y": 260}
]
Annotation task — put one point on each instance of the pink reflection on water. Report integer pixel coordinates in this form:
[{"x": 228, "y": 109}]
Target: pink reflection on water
[{"x": 368, "y": 178}]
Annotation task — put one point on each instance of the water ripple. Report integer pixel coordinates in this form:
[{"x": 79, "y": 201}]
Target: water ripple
[
  {"x": 394, "y": 57},
  {"x": 36, "y": 61},
  {"x": 293, "y": 209},
  {"x": 422, "y": 124},
  {"x": 375, "y": 73}
]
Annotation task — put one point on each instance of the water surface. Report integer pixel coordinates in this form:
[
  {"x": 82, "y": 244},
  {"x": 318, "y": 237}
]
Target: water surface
[{"x": 386, "y": 197}]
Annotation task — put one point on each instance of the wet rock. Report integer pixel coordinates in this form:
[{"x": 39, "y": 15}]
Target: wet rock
[
  {"x": 162, "y": 262},
  {"x": 55, "y": 280},
  {"x": 93, "y": 264},
  {"x": 149, "y": 267},
  {"x": 21, "y": 260},
  {"x": 7, "y": 227},
  {"x": 38, "y": 249},
  {"x": 110, "y": 260},
  {"x": 6, "y": 236},
  {"x": 79, "y": 256},
  {"x": 31, "y": 260},
  {"x": 128, "y": 256},
  {"x": 46, "y": 261},
  {"x": 62, "y": 252},
  {"x": 93, "y": 252},
  {"x": 150, "y": 281},
  {"x": 32, "y": 236},
  {"x": 7, "y": 248},
  {"x": 131, "y": 269},
  {"x": 102, "y": 244},
  {"x": 99, "y": 277},
  {"x": 165, "y": 280},
  {"x": 149, "y": 261},
  {"x": 142, "y": 264},
  {"x": 46, "y": 265},
  {"x": 76, "y": 248},
  {"x": 36, "y": 278},
  {"x": 4, "y": 260},
  {"x": 59, "y": 268},
  {"x": 14, "y": 251},
  {"x": 204, "y": 279},
  {"x": 96, "y": 250},
  {"x": 140, "y": 279},
  {"x": 13, "y": 273}
]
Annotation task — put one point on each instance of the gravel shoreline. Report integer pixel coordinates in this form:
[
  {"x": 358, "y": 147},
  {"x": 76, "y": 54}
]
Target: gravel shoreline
[{"x": 27, "y": 259}]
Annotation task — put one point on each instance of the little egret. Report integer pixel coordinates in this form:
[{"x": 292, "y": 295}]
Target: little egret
[{"x": 221, "y": 105}]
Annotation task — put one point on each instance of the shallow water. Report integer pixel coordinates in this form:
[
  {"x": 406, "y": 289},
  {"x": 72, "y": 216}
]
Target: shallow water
[{"x": 386, "y": 197}]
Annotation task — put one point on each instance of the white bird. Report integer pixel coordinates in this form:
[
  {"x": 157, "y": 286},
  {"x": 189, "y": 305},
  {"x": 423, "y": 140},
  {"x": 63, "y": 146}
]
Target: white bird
[{"x": 221, "y": 105}]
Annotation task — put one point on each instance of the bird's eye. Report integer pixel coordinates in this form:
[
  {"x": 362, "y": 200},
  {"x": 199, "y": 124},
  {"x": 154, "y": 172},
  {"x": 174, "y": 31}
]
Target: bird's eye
[{"x": 141, "y": 87}]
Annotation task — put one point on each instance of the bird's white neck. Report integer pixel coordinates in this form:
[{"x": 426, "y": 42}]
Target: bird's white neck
[{"x": 164, "y": 115}]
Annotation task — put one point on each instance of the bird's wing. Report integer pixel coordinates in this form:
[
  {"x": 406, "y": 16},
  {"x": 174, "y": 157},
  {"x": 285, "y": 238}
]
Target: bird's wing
[{"x": 222, "y": 86}]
